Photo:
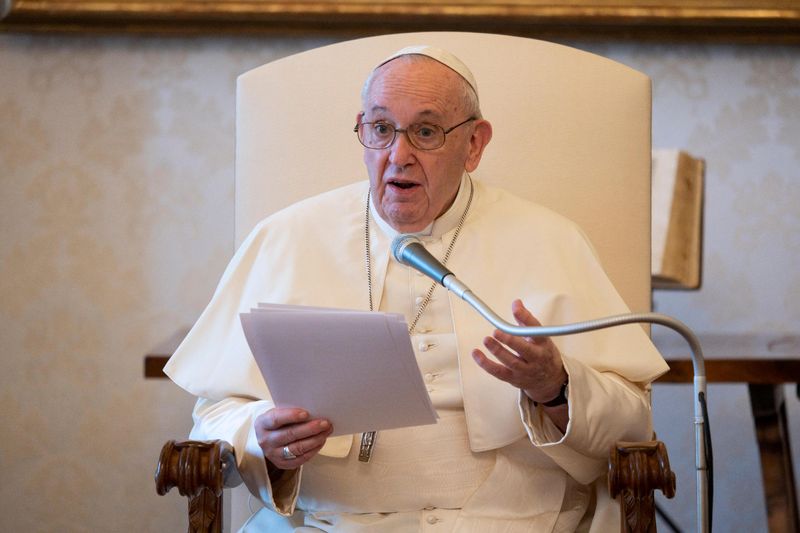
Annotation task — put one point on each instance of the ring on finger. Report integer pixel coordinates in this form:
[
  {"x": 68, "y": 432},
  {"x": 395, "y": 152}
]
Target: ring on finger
[{"x": 287, "y": 454}]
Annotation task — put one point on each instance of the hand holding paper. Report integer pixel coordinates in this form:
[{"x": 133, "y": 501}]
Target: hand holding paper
[
  {"x": 356, "y": 369},
  {"x": 289, "y": 438}
]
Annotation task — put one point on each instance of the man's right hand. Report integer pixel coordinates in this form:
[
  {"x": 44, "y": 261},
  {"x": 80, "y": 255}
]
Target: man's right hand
[{"x": 293, "y": 428}]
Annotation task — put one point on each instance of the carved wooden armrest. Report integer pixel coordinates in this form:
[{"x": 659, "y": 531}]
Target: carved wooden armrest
[
  {"x": 635, "y": 470},
  {"x": 200, "y": 470}
]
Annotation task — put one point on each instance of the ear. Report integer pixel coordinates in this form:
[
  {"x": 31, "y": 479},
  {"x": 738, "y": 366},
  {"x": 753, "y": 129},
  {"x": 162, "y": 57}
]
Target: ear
[
  {"x": 359, "y": 116},
  {"x": 481, "y": 135}
]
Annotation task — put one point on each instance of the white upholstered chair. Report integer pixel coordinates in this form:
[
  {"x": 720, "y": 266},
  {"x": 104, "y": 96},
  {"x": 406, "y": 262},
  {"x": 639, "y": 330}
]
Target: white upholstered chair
[{"x": 571, "y": 131}]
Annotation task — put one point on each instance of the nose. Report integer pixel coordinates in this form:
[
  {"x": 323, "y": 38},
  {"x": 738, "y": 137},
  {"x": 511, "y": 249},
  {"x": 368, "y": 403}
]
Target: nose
[{"x": 401, "y": 152}]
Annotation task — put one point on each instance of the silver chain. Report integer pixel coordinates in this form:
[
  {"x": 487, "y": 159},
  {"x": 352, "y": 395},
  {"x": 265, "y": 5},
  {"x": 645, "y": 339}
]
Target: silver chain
[
  {"x": 368, "y": 437},
  {"x": 447, "y": 253}
]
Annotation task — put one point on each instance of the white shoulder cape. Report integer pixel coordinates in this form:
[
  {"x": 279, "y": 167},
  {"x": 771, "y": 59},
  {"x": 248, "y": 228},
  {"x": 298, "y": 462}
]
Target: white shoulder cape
[{"x": 312, "y": 253}]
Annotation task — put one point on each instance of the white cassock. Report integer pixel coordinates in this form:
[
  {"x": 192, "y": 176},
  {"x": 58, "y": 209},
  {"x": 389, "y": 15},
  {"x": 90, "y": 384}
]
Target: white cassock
[{"x": 493, "y": 462}]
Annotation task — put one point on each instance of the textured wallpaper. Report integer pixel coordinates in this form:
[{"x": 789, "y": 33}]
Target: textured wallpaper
[
  {"x": 738, "y": 107},
  {"x": 116, "y": 220}
]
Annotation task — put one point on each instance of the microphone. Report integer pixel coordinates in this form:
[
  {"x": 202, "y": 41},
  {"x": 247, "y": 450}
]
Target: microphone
[{"x": 409, "y": 250}]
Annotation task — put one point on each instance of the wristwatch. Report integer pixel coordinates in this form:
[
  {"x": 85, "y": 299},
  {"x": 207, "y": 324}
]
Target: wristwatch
[{"x": 561, "y": 399}]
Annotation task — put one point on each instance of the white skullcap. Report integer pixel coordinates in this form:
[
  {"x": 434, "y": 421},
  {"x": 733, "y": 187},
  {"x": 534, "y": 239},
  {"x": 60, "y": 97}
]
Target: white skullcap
[{"x": 442, "y": 56}]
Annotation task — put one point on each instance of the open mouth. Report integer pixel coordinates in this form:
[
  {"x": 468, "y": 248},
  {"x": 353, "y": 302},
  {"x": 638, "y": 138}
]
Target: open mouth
[{"x": 402, "y": 184}]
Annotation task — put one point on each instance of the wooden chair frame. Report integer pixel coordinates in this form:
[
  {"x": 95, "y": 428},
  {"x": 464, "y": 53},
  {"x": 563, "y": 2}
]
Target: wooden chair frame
[{"x": 202, "y": 469}]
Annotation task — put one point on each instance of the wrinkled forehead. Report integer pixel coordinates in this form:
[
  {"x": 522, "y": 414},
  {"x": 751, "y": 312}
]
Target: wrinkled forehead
[{"x": 417, "y": 86}]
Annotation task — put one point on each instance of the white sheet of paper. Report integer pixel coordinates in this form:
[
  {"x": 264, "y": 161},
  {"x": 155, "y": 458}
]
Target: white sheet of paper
[{"x": 355, "y": 368}]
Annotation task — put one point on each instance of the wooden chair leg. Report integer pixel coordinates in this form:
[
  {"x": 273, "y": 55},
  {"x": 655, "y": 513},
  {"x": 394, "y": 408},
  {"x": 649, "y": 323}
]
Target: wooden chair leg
[
  {"x": 205, "y": 512},
  {"x": 777, "y": 472},
  {"x": 636, "y": 469}
]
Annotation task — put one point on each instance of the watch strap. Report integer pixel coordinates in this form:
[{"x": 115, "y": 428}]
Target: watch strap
[{"x": 560, "y": 399}]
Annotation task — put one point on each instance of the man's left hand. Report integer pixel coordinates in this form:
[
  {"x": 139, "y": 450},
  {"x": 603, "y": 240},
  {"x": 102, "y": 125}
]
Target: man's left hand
[{"x": 532, "y": 364}]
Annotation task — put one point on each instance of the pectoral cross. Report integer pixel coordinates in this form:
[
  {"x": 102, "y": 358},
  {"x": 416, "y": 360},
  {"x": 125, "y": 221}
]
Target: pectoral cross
[{"x": 367, "y": 443}]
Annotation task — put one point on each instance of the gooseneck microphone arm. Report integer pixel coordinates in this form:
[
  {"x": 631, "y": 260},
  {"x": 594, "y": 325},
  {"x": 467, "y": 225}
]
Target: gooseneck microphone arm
[{"x": 409, "y": 250}]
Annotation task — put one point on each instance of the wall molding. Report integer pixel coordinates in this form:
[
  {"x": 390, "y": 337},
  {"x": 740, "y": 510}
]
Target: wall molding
[{"x": 694, "y": 20}]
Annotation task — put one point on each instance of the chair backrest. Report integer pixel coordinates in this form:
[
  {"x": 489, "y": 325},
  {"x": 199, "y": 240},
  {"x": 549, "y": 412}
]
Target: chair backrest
[{"x": 571, "y": 131}]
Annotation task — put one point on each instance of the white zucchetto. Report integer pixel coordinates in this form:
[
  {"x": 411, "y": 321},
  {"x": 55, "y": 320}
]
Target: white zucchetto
[{"x": 442, "y": 56}]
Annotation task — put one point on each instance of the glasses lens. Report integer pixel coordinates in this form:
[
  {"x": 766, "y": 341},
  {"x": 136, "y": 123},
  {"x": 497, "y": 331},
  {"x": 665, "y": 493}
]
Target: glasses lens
[
  {"x": 376, "y": 134},
  {"x": 426, "y": 136},
  {"x": 382, "y": 134}
]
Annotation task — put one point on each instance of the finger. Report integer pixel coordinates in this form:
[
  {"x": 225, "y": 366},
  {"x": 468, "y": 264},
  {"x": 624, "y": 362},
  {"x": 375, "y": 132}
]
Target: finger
[
  {"x": 522, "y": 315},
  {"x": 534, "y": 360},
  {"x": 497, "y": 370},
  {"x": 527, "y": 361},
  {"x": 309, "y": 445},
  {"x": 281, "y": 416},
  {"x": 285, "y": 462},
  {"x": 279, "y": 426},
  {"x": 296, "y": 432},
  {"x": 300, "y": 451},
  {"x": 525, "y": 318},
  {"x": 524, "y": 348},
  {"x": 511, "y": 360}
]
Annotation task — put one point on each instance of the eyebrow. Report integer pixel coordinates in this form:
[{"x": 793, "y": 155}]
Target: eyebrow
[{"x": 426, "y": 113}]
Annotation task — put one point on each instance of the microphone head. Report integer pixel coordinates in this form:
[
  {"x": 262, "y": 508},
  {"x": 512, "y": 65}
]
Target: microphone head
[
  {"x": 400, "y": 243},
  {"x": 409, "y": 250}
]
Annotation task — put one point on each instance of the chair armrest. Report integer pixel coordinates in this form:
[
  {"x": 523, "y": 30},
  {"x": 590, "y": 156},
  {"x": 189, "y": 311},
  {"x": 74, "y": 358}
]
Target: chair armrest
[
  {"x": 635, "y": 470},
  {"x": 200, "y": 470}
]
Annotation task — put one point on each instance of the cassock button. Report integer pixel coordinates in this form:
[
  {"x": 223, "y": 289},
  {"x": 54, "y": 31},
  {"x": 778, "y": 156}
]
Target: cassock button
[
  {"x": 418, "y": 301},
  {"x": 432, "y": 519},
  {"x": 428, "y": 377},
  {"x": 423, "y": 346}
]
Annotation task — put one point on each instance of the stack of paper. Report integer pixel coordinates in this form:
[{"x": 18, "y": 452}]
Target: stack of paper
[{"x": 355, "y": 368}]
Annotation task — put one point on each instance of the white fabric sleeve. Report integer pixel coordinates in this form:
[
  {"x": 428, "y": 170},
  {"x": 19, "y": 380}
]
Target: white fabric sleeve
[
  {"x": 603, "y": 408},
  {"x": 232, "y": 420}
]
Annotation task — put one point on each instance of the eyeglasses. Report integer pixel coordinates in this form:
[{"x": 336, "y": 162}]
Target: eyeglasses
[{"x": 380, "y": 135}]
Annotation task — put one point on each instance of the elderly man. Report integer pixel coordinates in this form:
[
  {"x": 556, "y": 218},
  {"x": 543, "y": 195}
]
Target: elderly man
[{"x": 523, "y": 435}]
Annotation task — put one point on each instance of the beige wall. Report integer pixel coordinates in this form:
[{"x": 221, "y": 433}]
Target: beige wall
[{"x": 116, "y": 219}]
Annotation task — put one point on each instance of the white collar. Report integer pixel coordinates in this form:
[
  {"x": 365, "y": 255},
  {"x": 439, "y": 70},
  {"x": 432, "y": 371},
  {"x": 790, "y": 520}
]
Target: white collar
[{"x": 436, "y": 229}]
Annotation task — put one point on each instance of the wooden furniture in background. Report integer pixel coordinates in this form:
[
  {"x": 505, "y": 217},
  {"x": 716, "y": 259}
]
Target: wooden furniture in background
[
  {"x": 765, "y": 363},
  {"x": 677, "y": 227}
]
